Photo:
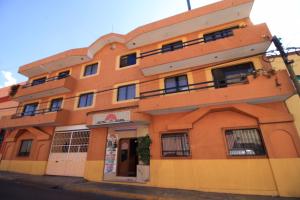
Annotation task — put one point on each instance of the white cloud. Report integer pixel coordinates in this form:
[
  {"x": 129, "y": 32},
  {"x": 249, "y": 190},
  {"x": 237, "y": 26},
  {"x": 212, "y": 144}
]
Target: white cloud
[{"x": 9, "y": 79}]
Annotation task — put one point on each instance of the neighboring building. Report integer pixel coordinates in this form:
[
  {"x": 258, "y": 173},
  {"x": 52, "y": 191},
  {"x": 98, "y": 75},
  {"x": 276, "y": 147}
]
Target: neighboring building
[
  {"x": 293, "y": 103},
  {"x": 188, "y": 81},
  {"x": 7, "y": 107}
]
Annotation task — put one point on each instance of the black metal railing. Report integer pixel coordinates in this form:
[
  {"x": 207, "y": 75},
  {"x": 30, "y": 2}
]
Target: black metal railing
[
  {"x": 47, "y": 80},
  {"x": 162, "y": 50},
  {"x": 239, "y": 79},
  {"x": 188, "y": 43},
  {"x": 36, "y": 112}
]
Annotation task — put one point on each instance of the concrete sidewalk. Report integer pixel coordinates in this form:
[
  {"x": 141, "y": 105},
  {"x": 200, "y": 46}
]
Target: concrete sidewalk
[{"x": 126, "y": 191}]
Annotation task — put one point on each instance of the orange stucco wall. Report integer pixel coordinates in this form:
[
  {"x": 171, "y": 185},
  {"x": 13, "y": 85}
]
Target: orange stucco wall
[{"x": 204, "y": 114}]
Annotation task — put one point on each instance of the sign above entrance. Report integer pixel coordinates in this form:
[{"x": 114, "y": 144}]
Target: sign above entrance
[{"x": 111, "y": 118}]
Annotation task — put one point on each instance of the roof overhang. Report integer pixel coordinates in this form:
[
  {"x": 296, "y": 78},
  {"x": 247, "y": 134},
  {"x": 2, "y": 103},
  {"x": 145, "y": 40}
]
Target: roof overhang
[
  {"x": 55, "y": 62},
  {"x": 201, "y": 18}
]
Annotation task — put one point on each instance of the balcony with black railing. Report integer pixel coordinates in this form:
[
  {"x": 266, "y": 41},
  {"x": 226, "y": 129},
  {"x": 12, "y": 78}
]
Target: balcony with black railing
[
  {"x": 220, "y": 46},
  {"x": 45, "y": 87},
  {"x": 241, "y": 88},
  {"x": 41, "y": 117}
]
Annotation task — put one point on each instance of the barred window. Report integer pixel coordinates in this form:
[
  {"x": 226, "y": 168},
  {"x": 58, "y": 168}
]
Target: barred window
[
  {"x": 244, "y": 142},
  {"x": 175, "y": 145}
]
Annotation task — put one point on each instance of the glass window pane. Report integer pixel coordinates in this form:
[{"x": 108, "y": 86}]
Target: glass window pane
[
  {"x": 121, "y": 93},
  {"x": 89, "y": 101},
  {"x": 91, "y": 69},
  {"x": 131, "y": 92},
  {"x": 183, "y": 83},
  {"x": 170, "y": 85}
]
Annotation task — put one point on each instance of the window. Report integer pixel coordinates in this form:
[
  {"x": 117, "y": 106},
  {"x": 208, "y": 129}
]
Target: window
[
  {"x": 219, "y": 34},
  {"x": 175, "y": 144},
  {"x": 25, "y": 148},
  {"x": 244, "y": 142},
  {"x": 230, "y": 75},
  {"x": 176, "y": 84},
  {"x": 55, "y": 105},
  {"x": 172, "y": 46},
  {"x": 127, "y": 60},
  {"x": 298, "y": 77},
  {"x": 90, "y": 69},
  {"x": 126, "y": 92},
  {"x": 63, "y": 74},
  {"x": 85, "y": 100},
  {"x": 2, "y": 135},
  {"x": 29, "y": 109},
  {"x": 38, "y": 81}
]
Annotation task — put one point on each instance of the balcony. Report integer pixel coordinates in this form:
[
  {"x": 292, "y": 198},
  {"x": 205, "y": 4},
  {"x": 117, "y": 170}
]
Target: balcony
[
  {"x": 246, "y": 89},
  {"x": 246, "y": 41},
  {"x": 52, "y": 86},
  {"x": 44, "y": 117}
]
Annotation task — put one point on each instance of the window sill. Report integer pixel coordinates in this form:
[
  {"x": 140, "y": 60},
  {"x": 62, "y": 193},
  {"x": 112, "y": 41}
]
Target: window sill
[{"x": 247, "y": 157}]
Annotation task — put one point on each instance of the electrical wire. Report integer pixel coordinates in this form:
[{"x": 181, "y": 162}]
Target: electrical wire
[{"x": 155, "y": 79}]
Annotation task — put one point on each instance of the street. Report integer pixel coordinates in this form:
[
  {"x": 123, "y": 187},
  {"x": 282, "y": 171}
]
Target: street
[{"x": 14, "y": 190}]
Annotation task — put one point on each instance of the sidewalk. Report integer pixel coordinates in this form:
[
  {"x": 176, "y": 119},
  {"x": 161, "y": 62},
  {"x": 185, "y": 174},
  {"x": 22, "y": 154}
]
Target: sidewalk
[{"x": 126, "y": 191}]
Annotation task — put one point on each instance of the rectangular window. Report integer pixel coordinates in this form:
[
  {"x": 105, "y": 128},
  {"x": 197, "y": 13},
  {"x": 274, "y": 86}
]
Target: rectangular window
[
  {"x": 38, "y": 81},
  {"x": 63, "y": 74},
  {"x": 85, "y": 100},
  {"x": 176, "y": 84},
  {"x": 126, "y": 92},
  {"x": 25, "y": 148},
  {"x": 219, "y": 34},
  {"x": 90, "y": 69},
  {"x": 298, "y": 77},
  {"x": 2, "y": 135},
  {"x": 29, "y": 109},
  {"x": 175, "y": 144},
  {"x": 172, "y": 46},
  {"x": 230, "y": 75},
  {"x": 128, "y": 60},
  {"x": 244, "y": 142},
  {"x": 55, "y": 105}
]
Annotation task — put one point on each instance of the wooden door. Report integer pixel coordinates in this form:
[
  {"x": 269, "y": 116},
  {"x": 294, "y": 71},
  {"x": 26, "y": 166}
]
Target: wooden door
[{"x": 127, "y": 157}]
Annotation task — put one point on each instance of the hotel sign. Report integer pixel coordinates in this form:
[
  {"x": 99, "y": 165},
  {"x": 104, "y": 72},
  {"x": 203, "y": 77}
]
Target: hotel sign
[{"x": 111, "y": 118}]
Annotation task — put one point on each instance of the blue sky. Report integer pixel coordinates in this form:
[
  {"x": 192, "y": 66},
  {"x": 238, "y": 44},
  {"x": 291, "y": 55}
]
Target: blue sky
[{"x": 34, "y": 29}]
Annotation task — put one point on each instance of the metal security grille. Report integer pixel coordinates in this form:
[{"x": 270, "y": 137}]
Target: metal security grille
[
  {"x": 244, "y": 142},
  {"x": 70, "y": 141}
]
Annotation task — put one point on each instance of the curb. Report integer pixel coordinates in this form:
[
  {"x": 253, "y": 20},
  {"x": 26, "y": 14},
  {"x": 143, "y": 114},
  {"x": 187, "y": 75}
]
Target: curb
[{"x": 78, "y": 188}]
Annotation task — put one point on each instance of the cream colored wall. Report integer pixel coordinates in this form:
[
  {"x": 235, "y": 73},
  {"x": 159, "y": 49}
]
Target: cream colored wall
[{"x": 293, "y": 103}]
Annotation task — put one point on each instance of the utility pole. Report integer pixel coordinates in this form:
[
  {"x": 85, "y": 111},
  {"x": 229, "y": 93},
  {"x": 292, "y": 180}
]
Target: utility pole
[
  {"x": 287, "y": 62},
  {"x": 189, "y": 4}
]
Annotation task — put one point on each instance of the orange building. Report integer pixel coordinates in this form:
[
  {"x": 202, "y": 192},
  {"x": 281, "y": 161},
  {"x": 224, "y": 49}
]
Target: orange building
[
  {"x": 7, "y": 107},
  {"x": 195, "y": 83}
]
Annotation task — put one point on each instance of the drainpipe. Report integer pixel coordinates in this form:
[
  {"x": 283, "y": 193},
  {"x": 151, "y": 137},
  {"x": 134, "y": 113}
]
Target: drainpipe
[{"x": 288, "y": 63}]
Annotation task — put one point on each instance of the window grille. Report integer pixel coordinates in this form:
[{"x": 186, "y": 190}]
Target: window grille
[{"x": 70, "y": 141}]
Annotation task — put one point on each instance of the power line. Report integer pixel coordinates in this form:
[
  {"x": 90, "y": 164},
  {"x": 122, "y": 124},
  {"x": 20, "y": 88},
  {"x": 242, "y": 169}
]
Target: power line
[{"x": 155, "y": 79}]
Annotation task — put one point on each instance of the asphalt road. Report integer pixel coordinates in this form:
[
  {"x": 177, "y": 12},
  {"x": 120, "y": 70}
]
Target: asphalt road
[{"x": 14, "y": 190}]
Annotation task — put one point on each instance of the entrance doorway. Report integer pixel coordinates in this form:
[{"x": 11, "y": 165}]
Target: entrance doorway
[{"x": 127, "y": 157}]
